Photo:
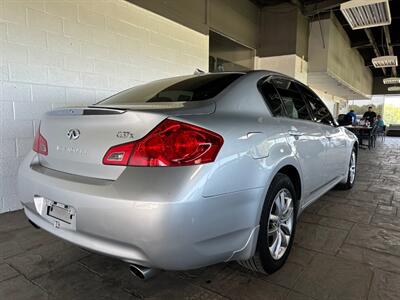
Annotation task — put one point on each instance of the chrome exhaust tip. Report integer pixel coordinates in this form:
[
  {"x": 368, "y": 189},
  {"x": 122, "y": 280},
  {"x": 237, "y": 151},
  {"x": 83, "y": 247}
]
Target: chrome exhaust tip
[{"x": 142, "y": 272}]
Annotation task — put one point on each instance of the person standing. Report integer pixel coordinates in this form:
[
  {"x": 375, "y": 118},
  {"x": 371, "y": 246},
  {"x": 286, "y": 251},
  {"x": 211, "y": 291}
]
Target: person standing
[{"x": 369, "y": 116}]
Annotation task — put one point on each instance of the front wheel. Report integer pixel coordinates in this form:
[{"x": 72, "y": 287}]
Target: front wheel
[
  {"x": 277, "y": 227},
  {"x": 351, "y": 173}
]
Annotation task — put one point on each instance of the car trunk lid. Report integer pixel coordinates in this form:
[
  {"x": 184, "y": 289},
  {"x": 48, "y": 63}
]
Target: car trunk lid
[{"x": 78, "y": 138}]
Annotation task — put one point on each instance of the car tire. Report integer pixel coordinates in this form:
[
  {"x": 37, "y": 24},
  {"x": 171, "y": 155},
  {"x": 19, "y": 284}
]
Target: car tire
[
  {"x": 351, "y": 173},
  {"x": 266, "y": 260}
]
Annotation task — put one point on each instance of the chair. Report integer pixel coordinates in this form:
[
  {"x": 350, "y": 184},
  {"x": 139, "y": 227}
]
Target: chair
[
  {"x": 381, "y": 132},
  {"x": 340, "y": 118},
  {"x": 344, "y": 120},
  {"x": 373, "y": 135}
]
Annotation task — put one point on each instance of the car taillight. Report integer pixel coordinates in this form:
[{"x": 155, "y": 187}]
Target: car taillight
[
  {"x": 171, "y": 143},
  {"x": 40, "y": 143}
]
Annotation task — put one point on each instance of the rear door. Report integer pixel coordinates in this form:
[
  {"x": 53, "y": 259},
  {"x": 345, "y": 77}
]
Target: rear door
[
  {"x": 305, "y": 138},
  {"x": 336, "y": 143}
]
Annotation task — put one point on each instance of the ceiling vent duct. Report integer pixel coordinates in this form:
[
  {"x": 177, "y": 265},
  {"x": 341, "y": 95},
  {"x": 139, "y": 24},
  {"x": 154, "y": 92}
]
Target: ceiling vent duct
[
  {"x": 384, "y": 61},
  {"x": 366, "y": 13},
  {"x": 392, "y": 80},
  {"x": 394, "y": 89}
]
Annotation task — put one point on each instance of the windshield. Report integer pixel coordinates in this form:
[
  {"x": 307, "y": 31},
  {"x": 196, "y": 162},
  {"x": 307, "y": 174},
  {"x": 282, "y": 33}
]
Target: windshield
[{"x": 177, "y": 89}]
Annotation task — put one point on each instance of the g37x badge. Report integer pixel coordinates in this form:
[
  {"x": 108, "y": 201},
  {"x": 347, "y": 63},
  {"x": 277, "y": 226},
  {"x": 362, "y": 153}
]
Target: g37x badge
[{"x": 125, "y": 135}]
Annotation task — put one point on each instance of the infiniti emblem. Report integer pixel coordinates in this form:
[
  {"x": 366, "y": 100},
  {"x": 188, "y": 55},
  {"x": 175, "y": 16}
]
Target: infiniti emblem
[{"x": 73, "y": 134}]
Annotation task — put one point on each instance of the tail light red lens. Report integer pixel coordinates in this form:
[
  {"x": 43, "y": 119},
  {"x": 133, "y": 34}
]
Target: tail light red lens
[
  {"x": 171, "y": 143},
  {"x": 40, "y": 143}
]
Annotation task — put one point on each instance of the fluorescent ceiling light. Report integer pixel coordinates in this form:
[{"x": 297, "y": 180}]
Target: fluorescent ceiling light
[
  {"x": 366, "y": 13},
  {"x": 394, "y": 89},
  {"x": 384, "y": 61},
  {"x": 392, "y": 80}
]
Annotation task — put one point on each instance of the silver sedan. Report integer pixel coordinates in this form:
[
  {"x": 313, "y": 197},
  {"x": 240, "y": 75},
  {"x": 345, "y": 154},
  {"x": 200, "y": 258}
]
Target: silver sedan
[{"x": 186, "y": 172}]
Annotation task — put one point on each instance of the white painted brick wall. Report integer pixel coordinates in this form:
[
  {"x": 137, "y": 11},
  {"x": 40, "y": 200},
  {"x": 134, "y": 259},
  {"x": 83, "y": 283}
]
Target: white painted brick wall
[{"x": 56, "y": 53}]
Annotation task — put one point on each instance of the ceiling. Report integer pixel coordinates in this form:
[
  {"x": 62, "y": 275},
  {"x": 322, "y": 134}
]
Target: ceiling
[
  {"x": 367, "y": 43},
  {"x": 359, "y": 39}
]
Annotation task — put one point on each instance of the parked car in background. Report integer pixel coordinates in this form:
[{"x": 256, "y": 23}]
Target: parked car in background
[{"x": 189, "y": 171}]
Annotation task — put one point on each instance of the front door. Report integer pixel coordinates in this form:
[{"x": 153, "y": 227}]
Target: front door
[
  {"x": 335, "y": 153},
  {"x": 335, "y": 159}
]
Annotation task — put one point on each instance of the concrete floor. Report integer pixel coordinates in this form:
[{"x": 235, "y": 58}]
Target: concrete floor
[{"x": 347, "y": 247}]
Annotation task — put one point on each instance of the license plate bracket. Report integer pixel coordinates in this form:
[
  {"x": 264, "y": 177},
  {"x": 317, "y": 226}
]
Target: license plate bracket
[{"x": 61, "y": 212}]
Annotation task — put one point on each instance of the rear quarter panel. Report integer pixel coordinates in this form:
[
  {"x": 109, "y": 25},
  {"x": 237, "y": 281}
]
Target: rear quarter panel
[{"x": 255, "y": 146}]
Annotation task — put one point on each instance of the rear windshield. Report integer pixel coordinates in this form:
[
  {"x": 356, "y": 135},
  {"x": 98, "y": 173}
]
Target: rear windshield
[{"x": 178, "y": 89}]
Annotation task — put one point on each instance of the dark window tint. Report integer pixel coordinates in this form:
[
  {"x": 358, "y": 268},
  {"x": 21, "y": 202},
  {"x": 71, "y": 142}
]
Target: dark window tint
[
  {"x": 295, "y": 106},
  {"x": 272, "y": 98},
  {"x": 188, "y": 88},
  {"x": 320, "y": 112}
]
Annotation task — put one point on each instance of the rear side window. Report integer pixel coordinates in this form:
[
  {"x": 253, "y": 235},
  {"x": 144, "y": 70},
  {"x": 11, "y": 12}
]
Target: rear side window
[
  {"x": 319, "y": 110},
  {"x": 188, "y": 88},
  {"x": 296, "y": 107},
  {"x": 272, "y": 98}
]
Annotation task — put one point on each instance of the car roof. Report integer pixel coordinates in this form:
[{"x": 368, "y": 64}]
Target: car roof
[{"x": 261, "y": 72}]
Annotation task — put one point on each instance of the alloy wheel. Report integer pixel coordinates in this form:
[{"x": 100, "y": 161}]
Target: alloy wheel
[
  {"x": 352, "y": 167},
  {"x": 280, "y": 224}
]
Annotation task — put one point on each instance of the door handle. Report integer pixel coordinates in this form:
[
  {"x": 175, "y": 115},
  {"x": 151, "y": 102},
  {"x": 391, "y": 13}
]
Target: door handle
[{"x": 295, "y": 133}]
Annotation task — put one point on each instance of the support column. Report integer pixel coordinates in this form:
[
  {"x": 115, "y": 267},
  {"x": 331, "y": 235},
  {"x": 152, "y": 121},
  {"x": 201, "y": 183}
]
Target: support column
[{"x": 284, "y": 41}]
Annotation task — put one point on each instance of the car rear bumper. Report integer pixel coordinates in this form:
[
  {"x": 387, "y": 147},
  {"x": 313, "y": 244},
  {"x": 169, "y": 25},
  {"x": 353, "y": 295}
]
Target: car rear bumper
[{"x": 164, "y": 224}]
